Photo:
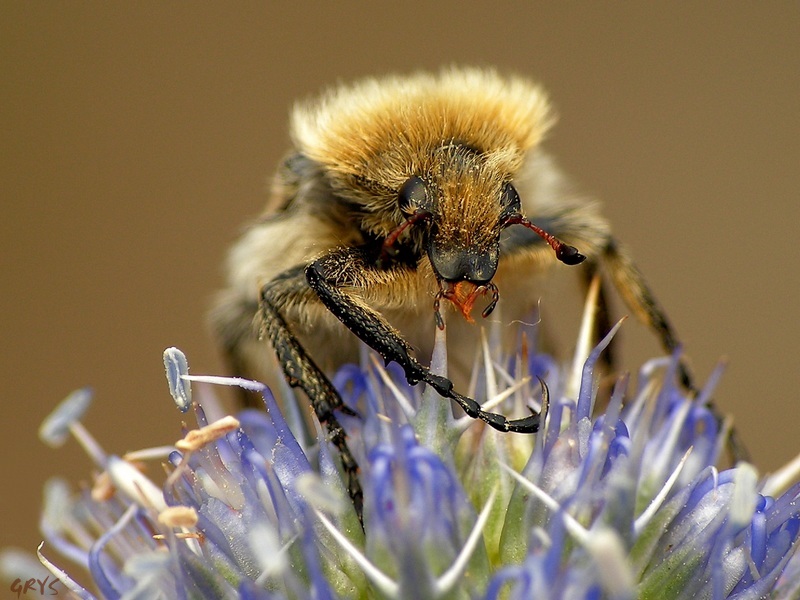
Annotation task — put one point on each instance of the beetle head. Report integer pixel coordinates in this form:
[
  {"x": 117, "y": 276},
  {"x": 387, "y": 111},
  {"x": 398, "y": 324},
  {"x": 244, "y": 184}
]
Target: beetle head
[{"x": 462, "y": 208}]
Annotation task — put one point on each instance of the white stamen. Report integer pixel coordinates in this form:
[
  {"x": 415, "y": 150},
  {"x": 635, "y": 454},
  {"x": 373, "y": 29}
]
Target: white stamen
[
  {"x": 745, "y": 496},
  {"x": 585, "y": 343},
  {"x": 146, "y": 569},
  {"x": 319, "y": 494},
  {"x": 269, "y": 553},
  {"x": 54, "y": 430},
  {"x": 176, "y": 366},
  {"x": 62, "y": 576},
  {"x": 488, "y": 368},
  {"x": 405, "y": 404},
  {"x": 156, "y": 453},
  {"x": 659, "y": 462},
  {"x": 641, "y": 403},
  {"x": 211, "y": 488},
  {"x": 56, "y": 499},
  {"x": 383, "y": 582},
  {"x": 451, "y": 577},
  {"x": 134, "y": 485},
  {"x": 778, "y": 482},
  {"x": 498, "y": 398},
  {"x": 578, "y": 531},
  {"x": 648, "y": 513},
  {"x": 439, "y": 355},
  {"x": 613, "y": 566},
  {"x": 247, "y": 384},
  {"x": 503, "y": 375},
  {"x": 58, "y": 521},
  {"x": 65, "y": 419}
]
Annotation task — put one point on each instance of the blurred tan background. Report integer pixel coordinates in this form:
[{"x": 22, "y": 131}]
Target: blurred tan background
[{"x": 137, "y": 138}]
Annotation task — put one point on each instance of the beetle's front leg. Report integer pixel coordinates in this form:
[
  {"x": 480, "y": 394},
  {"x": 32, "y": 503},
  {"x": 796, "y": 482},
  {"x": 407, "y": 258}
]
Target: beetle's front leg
[
  {"x": 301, "y": 371},
  {"x": 349, "y": 267}
]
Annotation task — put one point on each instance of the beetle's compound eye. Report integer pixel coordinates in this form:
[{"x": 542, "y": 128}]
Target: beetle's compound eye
[{"x": 413, "y": 195}]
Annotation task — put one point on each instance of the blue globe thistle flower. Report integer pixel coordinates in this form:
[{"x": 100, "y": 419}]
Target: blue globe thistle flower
[{"x": 620, "y": 502}]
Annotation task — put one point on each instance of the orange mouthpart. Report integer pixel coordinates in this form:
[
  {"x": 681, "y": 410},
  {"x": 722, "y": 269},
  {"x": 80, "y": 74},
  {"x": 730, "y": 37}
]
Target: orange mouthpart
[{"x": 463, "y": 294}]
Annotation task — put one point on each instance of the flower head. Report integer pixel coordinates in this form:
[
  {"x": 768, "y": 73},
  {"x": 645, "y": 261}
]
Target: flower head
[{"x": 623, "y": 502}]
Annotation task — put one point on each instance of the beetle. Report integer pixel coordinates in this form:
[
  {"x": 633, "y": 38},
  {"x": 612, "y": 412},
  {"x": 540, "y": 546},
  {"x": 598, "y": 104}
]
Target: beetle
[{"x": 404, "y": 197}]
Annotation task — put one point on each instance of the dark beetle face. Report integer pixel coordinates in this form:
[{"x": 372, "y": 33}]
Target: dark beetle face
[
  {"x": 465, "y": 251},
  {"x": 453, "y": 262},
  {"x": 464, "y": 274},
  {"x": 454, "y": 259}
]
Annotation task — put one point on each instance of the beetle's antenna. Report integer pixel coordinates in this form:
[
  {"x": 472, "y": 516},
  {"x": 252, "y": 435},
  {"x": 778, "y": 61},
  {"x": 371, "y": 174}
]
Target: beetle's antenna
[
  {"x": 567, "y": 254},
  {"x": 391, "y": 239}
]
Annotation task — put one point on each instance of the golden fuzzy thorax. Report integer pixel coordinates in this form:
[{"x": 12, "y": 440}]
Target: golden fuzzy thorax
[{"x": 372, "y": 136}]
